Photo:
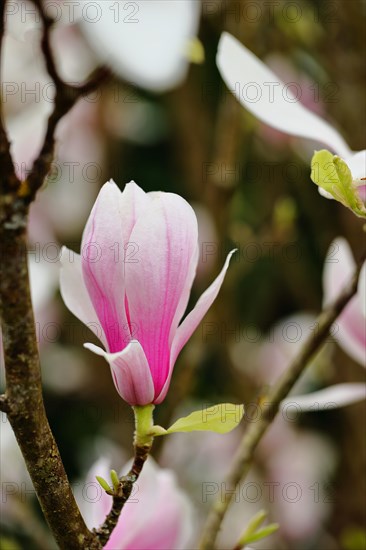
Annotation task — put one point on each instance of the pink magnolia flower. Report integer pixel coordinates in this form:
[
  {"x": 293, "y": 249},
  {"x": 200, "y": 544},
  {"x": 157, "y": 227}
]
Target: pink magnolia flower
[
  {"x": 132, "y": 283},
  {"x": 350, "y": 328},
  {"x": 158, "y": 515}
]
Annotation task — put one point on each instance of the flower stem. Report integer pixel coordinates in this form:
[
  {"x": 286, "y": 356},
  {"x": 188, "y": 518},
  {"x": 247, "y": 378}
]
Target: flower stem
[
  {"x": 143, "y": 423},
  {"x": 142, "y": 446}
]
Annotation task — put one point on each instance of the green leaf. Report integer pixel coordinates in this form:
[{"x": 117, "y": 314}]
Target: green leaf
[
  {"x": 332, "y": 174},
  {"x": 158, "y": 430},
  {"x": 253, "y": 532},
  {"x": 261, "y": 534},
  {"x": 102, "y": 482},
  {"x": 219, "y": 418},
  {"x": 114, "y": 479},
  {"x": 255, "y": 523}
]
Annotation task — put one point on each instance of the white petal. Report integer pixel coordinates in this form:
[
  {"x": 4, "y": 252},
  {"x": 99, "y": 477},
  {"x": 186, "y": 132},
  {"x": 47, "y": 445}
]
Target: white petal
[
  {"x": 339, "y": 267},
  {"x": 43, "y": 281},
  {"x": 357, "y": 164},
  {"x": 144, "y": 41},
  {"x": 268, "y": 98},
  {"x": 74, "y": 293},
  {"x": 333, "y": 397},
  {"x": 361, "y": 291},
  {"x": 325, "y": 193}
]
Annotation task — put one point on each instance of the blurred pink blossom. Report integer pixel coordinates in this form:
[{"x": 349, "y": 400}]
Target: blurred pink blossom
[
  {"x": 350, "y": 328},
  {"x": 298, "y": 464},
  {"x": 158, "y": 515}
]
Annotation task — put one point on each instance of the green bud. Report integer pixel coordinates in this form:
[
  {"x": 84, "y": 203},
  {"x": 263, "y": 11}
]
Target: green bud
[
  {"x": 332, "y": 174},
  {"x": 102, "y": 482},
  {"x": 114, "y": 479},
  {"x": 254, "y": 531}
]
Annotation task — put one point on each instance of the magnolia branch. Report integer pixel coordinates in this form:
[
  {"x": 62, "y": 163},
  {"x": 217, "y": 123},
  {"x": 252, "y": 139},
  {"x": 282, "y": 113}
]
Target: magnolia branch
[
  {"x": 123, "y": 493},
  {"x": 65, "y": 98},
  {"x": 7, "y": 175},
  {"x": 244, "y": 456},
  {"x": 23, "y": 400}
]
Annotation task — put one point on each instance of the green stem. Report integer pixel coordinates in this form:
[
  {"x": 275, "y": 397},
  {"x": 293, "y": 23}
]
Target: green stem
[
  {"x": 142, "y": 444},
  {"x": 143, "y": 424}
]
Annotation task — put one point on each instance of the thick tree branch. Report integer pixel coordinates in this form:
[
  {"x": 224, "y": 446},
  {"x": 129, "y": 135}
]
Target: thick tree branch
[
  {"x": 23, "y": 401},
  {"x": 244, "y": 456},
  {"x": 25, "y": 408}
]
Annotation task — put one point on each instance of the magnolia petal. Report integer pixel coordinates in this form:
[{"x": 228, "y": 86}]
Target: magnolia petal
[
  {"x": 165, "y": 504},
  {"x": 325, "y": 193},
  {"x": 133, "y": 201},
  {"x": 102, "y": 251},
  {"x": 349, "y": 329},
  {"x": 142, "y": 504},
  {"x": 333, "y": 397},
  {"x": 193, "y": 319},
  {"x": 157, "y": 500},
  {"x": 361, "y": 290},
  {"x": 186, "y": 291},
  {"x": 191, "y": 322},
  {"x": 94, "y": 512},
  {"x": 361, "y": 191},
  {"x": 130, "y": 371},
  {"x": 75, "y": 294},
  {"x": 145, "y": 42},
  {"x": 43, "y": 281},
  {"x": 273, "y": 102},
  {"x": 357, "y": 164},
  {"x": 339, "y": 267},
  {"x": 166, "y": 236}
]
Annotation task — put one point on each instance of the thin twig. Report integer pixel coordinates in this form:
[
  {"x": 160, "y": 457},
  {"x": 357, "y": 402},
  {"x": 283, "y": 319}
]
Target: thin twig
[
  {"x": 25, "y": 408},
  {"x": 244, "y": 456},
  {"x": 8, "y": 179},
  {"x": 65, "y": 98},
  {"x": 122, "y": 494}
]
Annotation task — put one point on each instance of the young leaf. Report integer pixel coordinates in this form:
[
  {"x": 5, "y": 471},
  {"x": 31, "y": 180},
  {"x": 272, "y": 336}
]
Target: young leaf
[
  {"x": 254, "y": 531},
  {"x": 115, "y": 480},
  {"x": 255, "y": 523},
  {"x": 261, "y": 534},
  {"x": 332, "y": 174},
  {"x": 102, "y": 482},
  {"x": 219, "y": 418}
]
